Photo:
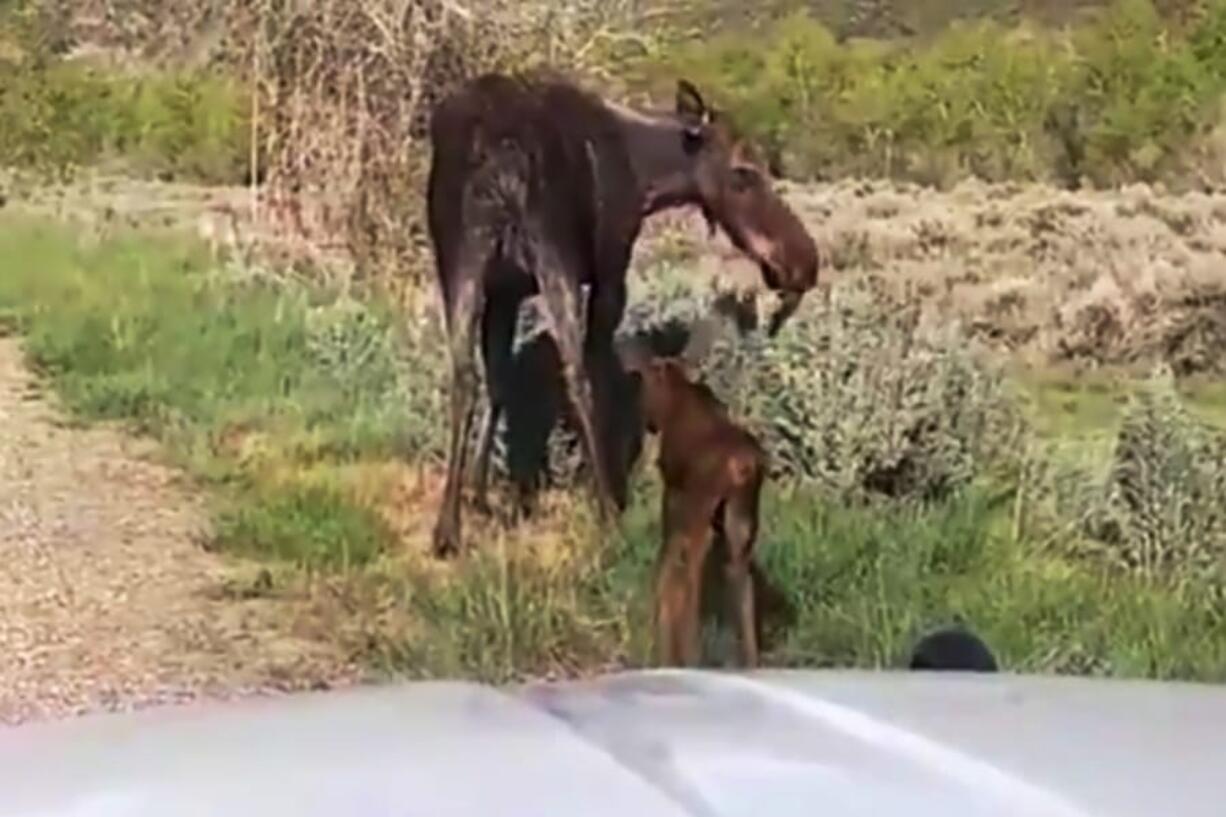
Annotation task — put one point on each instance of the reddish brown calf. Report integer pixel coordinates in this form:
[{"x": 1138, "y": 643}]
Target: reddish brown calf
[{"x": 713, "y": 470}]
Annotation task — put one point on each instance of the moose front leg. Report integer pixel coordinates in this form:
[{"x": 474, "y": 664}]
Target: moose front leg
[{"x": 606, "y": 305}]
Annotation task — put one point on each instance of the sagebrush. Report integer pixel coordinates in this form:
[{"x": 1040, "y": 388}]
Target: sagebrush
[
  {"x": 1160, "y": 510},
  {"x": 858, "y": 395}
]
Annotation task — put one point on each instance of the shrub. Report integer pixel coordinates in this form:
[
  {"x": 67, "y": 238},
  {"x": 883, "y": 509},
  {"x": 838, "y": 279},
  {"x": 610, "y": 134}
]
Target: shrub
[
  {"x": 858, "y": 395},
  {"x": 349, "y": 87},
  {"x": 1161, "y": 509},
  {"x": 187, "y": 126}
]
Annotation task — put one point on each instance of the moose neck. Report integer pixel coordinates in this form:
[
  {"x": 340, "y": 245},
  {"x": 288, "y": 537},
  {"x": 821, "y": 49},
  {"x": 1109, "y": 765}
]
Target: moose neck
[{"x": 654, "y": 142}]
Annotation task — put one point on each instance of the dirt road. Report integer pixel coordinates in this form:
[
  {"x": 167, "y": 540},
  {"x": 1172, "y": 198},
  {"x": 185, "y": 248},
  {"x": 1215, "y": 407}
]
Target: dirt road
[{"x": 107, "y": 601}]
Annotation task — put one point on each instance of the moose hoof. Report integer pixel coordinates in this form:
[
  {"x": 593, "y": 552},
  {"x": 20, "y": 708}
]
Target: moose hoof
[{"x": 446, "y": 542}]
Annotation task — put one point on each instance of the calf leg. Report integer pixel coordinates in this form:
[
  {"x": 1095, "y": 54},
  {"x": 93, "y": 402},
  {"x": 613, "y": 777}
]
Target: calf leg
[
  {"x": 670, "y": 580},
  {"x": 697, "y": 547},
  {"x": 464, "y": 303},
  {"x": 740, "y": 531},
  {"x": 669, "y": 603},
  {"x": 687, "y": 542}
]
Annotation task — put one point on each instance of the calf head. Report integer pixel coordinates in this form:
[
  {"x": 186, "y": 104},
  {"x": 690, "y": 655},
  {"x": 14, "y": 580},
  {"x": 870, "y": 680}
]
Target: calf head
[
  {"x": 661, "y": 379},
  {"x": 735, "y": 193}
]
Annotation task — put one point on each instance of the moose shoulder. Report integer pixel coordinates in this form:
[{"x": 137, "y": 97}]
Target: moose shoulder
[{"x": 538, "y": 186}]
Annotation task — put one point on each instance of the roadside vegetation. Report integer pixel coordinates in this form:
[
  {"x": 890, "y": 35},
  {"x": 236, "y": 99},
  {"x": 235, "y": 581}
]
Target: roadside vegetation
[
  {"x": 313, "y": 421},
  {"x": 1078, "y": 522}
]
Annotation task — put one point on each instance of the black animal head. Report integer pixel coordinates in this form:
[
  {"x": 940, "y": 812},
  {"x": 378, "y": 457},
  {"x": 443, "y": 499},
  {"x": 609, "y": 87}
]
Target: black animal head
[{"x": 953, "y": 648}]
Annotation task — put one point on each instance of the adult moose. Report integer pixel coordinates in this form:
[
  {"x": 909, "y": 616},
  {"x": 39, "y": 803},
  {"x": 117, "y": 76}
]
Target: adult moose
[{"x": 538, "y": 186}]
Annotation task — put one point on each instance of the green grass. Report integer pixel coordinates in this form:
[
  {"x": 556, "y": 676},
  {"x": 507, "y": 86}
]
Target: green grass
[
  {"x": 868, "y": 583},
  {"x": 1063, "y": 405},
  {"x": 273, "y": 395},
  {"x": 184, "y": 126},
  {"x": 139, "y": 329}
]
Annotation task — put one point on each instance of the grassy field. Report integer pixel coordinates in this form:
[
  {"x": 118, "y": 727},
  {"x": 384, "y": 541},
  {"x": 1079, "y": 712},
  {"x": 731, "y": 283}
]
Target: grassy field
[{"x": 312, "y": 421}]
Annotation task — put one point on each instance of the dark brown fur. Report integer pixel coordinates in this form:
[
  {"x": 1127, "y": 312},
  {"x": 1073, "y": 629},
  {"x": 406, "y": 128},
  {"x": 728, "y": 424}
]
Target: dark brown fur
[
  {"x": 713, "y": 471},
  {"x": 537, "y": 186}
]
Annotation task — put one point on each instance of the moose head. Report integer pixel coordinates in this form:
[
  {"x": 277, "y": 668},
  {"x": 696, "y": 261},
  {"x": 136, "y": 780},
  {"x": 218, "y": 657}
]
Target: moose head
[{"x": 735, "y": 194}]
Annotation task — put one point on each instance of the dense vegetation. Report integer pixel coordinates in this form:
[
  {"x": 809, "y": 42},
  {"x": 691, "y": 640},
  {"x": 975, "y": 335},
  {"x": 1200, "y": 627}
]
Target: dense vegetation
[
  {"x": 57, "y": 115},
  {"x": 1122, "y": 98},
  {"x": 1125, "y": 94}
]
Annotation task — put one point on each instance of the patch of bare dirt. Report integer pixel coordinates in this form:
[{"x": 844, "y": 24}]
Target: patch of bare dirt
[
  {"x": 1102, "y": 277},
  {"x": 107, "y": 601}
]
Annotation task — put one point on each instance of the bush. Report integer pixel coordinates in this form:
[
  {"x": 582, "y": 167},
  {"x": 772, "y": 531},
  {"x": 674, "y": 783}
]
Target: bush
[
  {"x": 858, "y": 396},
  {"x": 185, "y": 126},
  {"x": 349, "y": 87},
  {"x": 1161, "y": 509},
  {"x": 1125, "y": 97}
]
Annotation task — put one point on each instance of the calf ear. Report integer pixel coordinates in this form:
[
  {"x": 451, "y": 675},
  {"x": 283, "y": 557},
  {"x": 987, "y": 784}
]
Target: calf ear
[{"x": 702, "y": 338}]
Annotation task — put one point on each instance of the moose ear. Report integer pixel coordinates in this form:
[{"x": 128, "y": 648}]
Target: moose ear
[
  {"x": 702, "y": 338},
  {"x": 691, "y": 108}
]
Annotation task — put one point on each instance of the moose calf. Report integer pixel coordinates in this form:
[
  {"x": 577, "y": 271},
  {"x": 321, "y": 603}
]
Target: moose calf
[{"x": 713, "y": 470}]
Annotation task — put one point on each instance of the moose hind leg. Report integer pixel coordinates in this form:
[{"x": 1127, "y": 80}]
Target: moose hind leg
[
  {"x": 481, "y": 459},
  {"x": 557, "y": 277},
  {"x": 464, "y": 309},
  {"x": 497, "y": 338}
]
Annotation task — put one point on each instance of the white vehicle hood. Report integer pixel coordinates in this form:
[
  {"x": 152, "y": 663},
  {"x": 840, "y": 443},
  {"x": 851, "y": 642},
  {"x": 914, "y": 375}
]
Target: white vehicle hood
[{"x": 648, "y": 744}]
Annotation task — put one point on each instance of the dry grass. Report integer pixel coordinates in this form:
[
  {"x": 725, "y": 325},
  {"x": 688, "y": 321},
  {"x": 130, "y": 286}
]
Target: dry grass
[
  {"x": 1049, "y": 276},
  {"x": 346, "y": 89}
]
